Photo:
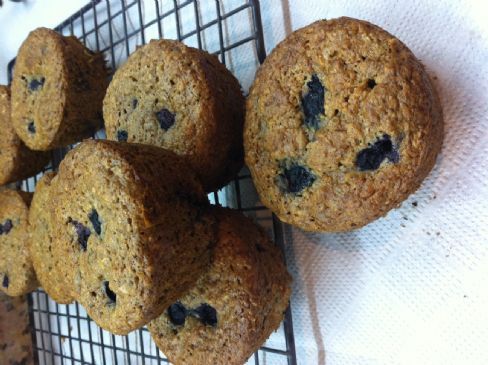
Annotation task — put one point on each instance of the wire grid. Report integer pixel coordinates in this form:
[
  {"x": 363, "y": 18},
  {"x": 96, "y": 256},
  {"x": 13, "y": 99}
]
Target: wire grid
[{"x": 64, "y": 334}]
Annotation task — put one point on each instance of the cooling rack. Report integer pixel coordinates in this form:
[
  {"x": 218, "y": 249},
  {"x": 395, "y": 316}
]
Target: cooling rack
[{"x": 64, "y": 334}]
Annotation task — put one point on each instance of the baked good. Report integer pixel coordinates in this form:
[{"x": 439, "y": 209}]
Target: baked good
[
  {"x": 15, "y": 334},
  {"x": 235, "y": 306},
  {"x": 131, "y": 226},
  {"x": 17, "y": 162},
  {"x": 58, "y": 87},
  {"x": 342, "y": 124},
  {"x": 16, "y": 273},
  {"x": 181, "y": 99},
  {"x": 46, "y": 264}
]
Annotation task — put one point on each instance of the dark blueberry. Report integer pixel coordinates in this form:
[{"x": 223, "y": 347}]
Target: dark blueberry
[
  {"x": 260, "y": 248},
  {"x": 95, "y": 221},
  {"x": 36, "y": 84},
  {"x": 371, "y": 83},
  {"x": 112, "y": 297},
  {"x": 83, "y": 233},
  {"x": 165, "y": 118},
  {"x": 5, "y": 281},
  {"x": 122, "y": 136},
  {"x": 313, "y": 103},
  {"x": 177, "y": 314},
  {"x": 134, "y": 103},
  {"x": 296, "y": 178},
  {"x": 370, "y": 158},
  {"x": 31, "y": 127},
  {"x": 6, "y": 227},
  {"x": 206, "y": 314}
]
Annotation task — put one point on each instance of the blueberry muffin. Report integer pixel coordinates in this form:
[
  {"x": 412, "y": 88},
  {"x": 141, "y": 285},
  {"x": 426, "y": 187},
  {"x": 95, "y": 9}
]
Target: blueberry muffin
[
  {"x": 46, "y": 264},
  {"x": 57, "y": 90},
  {"x": 342, "y": 124},
  {"x": 181, "y": 99},
  {"x": 16, "y": 272},
  {"x": 132, "y": 228},
  {"x": 235, "y": 306},
  {"x": 17, "y": 162},
  {"x": 15, "y": 334}
]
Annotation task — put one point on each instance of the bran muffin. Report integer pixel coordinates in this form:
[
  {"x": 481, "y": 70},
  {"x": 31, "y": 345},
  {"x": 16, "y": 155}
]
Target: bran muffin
[
  {"x": 181, "y": 99},
  {"x": 131, "y": 226},
  {"x": 235, "y": 306},
  {"x": 342, "y": 124},
  {"x": 15, "y": 334},
  {"x": 17, "y": 275},
  {"x": 47, "y": 265},
  {"x": 17, "y": 162},
  {"x": 57, "y": 90}
]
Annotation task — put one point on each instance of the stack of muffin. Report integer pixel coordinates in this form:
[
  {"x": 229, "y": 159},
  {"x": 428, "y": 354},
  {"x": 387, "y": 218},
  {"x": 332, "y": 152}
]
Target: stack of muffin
[
  {"x": 125, "y": 226},
  {"x": 336, "y": 134}
]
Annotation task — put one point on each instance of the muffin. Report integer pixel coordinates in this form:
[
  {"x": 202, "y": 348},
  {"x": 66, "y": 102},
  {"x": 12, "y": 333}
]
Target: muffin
[
  {"x": 235, "y": 306},
  {"x": 16, "y": 272},
  {"x": 17, "y": 162},
  {"x": 182, "y": 99},
  {"x": 132, "y": 229},
  {"x": 342, "y": 124},
  {"x": 58, "y": 87},
  {"x": 15, "y": 336},
  {"x": 46, "y": 264}
]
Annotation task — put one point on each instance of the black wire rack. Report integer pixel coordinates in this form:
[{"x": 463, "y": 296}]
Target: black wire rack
[{"x": 64, "y": 334}]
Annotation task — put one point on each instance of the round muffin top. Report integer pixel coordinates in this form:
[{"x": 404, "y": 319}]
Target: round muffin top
[
  {"x": 133, "y": 235},
  {"x": 39, "y": 87},
  {"x": 234, "y": 306},
  {"x": 182, "y": 99},
  {"x": 16, "y": 273},
  {"x": 342, "y": 124},
  {"x": 57, "y": 90},
  {"x": 9, "y": 141}
]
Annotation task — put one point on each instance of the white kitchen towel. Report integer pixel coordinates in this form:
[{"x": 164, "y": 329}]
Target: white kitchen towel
[{"x": 410, "y": 288}]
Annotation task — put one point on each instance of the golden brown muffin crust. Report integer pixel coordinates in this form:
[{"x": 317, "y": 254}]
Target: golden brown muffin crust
[
  {"x": 57, "y": 90},
  {"x": 131, "y": 227},
  {"x": 17, "y": 162},
  {"x": 16, "y": 272},
  {"x": 182, "y": 99},
  {"x": 321, "y": 171},
  {"x": 247, "y": 286}
]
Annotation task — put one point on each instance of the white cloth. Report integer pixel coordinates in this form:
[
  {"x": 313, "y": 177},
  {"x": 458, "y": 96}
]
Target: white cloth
[{"x": 410, "y": 288}]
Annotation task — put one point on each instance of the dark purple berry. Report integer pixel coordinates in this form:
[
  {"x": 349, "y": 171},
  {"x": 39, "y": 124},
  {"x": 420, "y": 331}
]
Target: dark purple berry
[
  {"x": 177, "y": 314},
  {"x": 260, "y": 248},
  {"x": 31, "y": 127},
  {"x": 5, "y": 281},
  {"x": 82, "y": 233},
  {"x": 371, "y": 83},
  {"x": 206, "y": 313},
  {"x": 165, "y": 118},
  {"x": 6, "y": 227},
  {"x": 122, "y": 136},
  {"x": 36, "y": 84},
  {"x": 295, "y": 178},
  {"x": 313, "y": 103},
  {"x": 112, "y": 297},
  {"x": 370, "y": 158},
  {"x": 95, "y": 221}
]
